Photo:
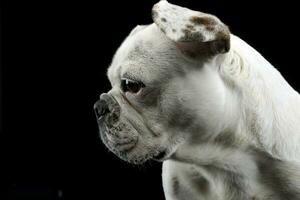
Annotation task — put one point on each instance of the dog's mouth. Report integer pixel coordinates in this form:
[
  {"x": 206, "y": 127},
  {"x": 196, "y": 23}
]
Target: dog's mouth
[
  {"x": 130, "y": 149},
  {"x": 160, "y": 156},
  {"x": 128, "y": 141},
  {"x": 116, "y": 141},
  {"x": 125, "y": 146}
]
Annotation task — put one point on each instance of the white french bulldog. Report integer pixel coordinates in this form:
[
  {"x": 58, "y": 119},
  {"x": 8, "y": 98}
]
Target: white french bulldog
[{"x": 222, "y": 119}]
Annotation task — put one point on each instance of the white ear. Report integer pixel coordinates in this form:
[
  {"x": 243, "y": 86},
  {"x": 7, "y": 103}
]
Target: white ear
[{"x": 195, "y": 33}]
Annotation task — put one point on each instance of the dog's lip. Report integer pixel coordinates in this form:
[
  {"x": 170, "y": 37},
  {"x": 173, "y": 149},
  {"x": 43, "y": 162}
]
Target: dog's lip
[
  {"x": 124, "y": 145},
  {"x": 101, "y": 118}
]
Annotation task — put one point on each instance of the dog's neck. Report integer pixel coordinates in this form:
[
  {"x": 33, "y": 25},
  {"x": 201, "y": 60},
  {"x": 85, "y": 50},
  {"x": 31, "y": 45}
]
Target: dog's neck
[{"x": 267, "y": 110}]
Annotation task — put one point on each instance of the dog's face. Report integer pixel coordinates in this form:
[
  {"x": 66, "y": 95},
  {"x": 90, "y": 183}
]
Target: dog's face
[{"x": 161, "y": 96}]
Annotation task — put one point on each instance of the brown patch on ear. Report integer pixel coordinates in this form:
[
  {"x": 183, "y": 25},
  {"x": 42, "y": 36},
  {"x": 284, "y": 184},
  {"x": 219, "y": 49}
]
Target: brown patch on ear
[
  {"x": 205, "y": 21},
  {"x": 196, "y": 50},
  {"x": 192, "y": 36},
  {"x": 224, "y": 40},
  {"x": 220, "y": 46},
  {"x": 223, "y": 34}
]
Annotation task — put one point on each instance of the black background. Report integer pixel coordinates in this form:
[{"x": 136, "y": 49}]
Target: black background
[{"x": 54, "y": 60}]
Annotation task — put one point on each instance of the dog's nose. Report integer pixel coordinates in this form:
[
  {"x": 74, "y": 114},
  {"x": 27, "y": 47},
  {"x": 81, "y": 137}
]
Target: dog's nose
[{"x": 101, "y": 108}]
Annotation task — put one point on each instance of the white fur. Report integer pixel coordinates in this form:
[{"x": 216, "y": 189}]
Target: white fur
[
  {"x": 238, "y": 93},
  {"x": 261, "y": 109},
  {"x": 267, "y": 103}
]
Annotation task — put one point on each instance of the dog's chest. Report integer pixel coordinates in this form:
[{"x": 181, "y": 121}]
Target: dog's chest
[{"x": 187, "y": 182}]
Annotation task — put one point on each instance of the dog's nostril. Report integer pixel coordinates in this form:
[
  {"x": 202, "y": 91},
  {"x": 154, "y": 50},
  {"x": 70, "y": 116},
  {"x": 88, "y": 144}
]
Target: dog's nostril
[{"x": 101, "y": 108}]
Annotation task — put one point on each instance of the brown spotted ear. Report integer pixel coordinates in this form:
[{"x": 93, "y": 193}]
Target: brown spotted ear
[{"x": 195, "y": 33}]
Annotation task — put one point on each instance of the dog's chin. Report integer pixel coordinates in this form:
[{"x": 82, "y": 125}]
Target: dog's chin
[
  {"x": 138, "y": 151},
  {"x": 133, "y": 145},
  {"x": 137, "y": 156}
]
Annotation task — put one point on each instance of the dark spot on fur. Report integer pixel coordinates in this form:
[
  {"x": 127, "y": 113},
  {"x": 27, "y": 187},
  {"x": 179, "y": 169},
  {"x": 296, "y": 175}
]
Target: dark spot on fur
[
  {"x": 111, "y": 120},
  {"x": 223, "y": 34},
  {"x": 227, "y": 138},
  {"x": 162, "y": 30},
  {"x": 205, "y": 21},
  {"x": 210, "y": 28},
  {"x": 271, "y": 174},
  {"x": 223, "y": 41},
  {"x": 202, "y": 185},
  {"x": 137, "y": 51},
  {"x": 232, "y": 61},
  {"x": 180, "y": 117},
  {"x": 173, "y": 30},
  {"x": 190, "y": 27},
  {"x": 199, "y": 182},
  {"x": 192, "y": 36},
  {"x": 195, "y": 49},
  {"x": 163, "y": 19},
  {"x": 220, "y": 46},
  {"x": 154, "y": 14},
  {"x": 175, "y": 185},
  {"x": 186, "y": 31},
  {"x": 192, "y": 42},
  {"x": 235, "y": 185}
]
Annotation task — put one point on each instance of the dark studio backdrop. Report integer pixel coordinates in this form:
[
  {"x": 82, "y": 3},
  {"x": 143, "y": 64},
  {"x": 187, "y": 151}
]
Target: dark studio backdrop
[{"x": 54, "y": 60}]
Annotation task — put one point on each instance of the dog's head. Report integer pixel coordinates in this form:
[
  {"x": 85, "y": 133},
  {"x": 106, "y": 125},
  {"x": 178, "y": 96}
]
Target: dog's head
[{"x": 163, "y": 90}]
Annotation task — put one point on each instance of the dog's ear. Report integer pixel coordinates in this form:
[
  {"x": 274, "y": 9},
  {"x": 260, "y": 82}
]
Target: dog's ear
[{"x": 196, "y": 34}]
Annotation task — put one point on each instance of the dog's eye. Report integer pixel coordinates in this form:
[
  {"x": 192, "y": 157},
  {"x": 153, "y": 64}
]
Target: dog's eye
[{"x": 128, "y": 85}]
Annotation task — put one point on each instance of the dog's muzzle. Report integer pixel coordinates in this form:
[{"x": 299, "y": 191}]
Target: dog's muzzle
[
  {"x": 113, "y": 132},
  {"x": 107, "y": 105},
  {"x": 101, "y": 108}
]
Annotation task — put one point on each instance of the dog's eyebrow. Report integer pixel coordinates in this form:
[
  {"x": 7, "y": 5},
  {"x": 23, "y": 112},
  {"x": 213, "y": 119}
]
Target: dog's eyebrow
[{"x": 130, "y": 76}]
